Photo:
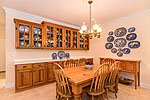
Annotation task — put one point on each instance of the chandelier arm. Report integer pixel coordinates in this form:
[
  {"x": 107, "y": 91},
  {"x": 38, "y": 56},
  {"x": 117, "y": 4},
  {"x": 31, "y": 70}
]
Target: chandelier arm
[{"x": 90, "y": 17}]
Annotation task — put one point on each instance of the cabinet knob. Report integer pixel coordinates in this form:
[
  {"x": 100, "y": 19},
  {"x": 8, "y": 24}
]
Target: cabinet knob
[{"x": 24, "y": 66}]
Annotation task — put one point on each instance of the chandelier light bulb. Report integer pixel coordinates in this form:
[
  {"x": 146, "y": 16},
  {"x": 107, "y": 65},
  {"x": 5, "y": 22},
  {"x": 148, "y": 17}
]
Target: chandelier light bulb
[
  {"x": 99, "y": 29},
  {"x": 95, "y": 27},
  {"x": 84, "y": 28},
  {"x": 81, "y": 31}
]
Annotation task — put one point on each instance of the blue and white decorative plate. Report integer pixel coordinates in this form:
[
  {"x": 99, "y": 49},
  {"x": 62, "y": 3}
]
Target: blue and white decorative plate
[
  {"x": 54, "y": 56},
  {"x": 120, "y": 32},
  {"x": 26, "y": 28},
  {"x": 110, "y": 39},
  {"x": 131, "y": 36},
  {"x": 110, "y": 33},
  {"x": 61, "y": 54},
  {"x": 126, "y": 51},
  {"x": 21, "y": 27},
  {"x": 134, "y": 44},
  {"x": 108, "y": 45},
  {"x": 114, "y": 50},
  {"x": 132, "y": 29},
  {"x": 120, "y": 42},
  {"x": 67, "y": 55},
  {"x": 119, "y": 54}
]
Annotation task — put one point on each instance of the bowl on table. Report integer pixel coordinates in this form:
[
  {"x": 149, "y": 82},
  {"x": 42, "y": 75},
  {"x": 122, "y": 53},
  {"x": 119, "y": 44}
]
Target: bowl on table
[{"x": 89, "y": 65}]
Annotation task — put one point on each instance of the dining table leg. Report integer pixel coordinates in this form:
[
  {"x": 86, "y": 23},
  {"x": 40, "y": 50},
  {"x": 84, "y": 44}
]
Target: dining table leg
[{"x": 77, "y": 90}]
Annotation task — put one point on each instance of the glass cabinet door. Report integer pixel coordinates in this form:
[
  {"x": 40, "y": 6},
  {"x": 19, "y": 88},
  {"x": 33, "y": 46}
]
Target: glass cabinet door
[
  {"x": 24, "y": 35},
  {"x": 68, "y": 39},
  {"x": 87, "y": 42},
  {"x": 81, "y": 42},
  {"x": 59, "y": 38},
  {"x": 75, "y": 34},
  {"x": 50, "y": 37},
  {"x": 37, "y": 37}
]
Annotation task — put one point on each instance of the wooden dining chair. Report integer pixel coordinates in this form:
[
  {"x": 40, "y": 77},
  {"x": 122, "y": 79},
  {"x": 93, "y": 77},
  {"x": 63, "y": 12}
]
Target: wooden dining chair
[
  {"x": 62, "y": 86},
  {"x": 81, "y": 62},
  {"x": 111, "y": 82},
  {"x": 97, "y": 85},
  {"x": 70, "y": 63},
  {"x": 109, "y": 61}
]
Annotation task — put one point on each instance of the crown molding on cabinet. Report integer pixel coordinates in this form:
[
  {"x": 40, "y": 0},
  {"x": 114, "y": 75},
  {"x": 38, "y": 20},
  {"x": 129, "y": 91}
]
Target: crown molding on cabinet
[
  {"x": 127, "y": 17},
  {"x": 39, "y": 18}
]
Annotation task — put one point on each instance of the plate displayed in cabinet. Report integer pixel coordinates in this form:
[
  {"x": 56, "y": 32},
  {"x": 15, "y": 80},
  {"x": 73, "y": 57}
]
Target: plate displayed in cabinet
[
  {"x": 108, "y": 45},
  {"x": 35, "y": 30},
  {"x": 119, "y": 54},
  {"x": 120, "y": 42},
  {"x": 110, "y": 39},
  {"x": 132, "y": 29},
  {"x": 134, "y": 44},
  {"x": 114, "y": 50},
  {"x": 131, "y": 36},
  {"x": 40, "y": 31},
  {"x": 126, "y": 51},
  {"x": 120, "y": 32},
  {"x": 21, "y": 27},
  {"x": 26, "y": 28}
]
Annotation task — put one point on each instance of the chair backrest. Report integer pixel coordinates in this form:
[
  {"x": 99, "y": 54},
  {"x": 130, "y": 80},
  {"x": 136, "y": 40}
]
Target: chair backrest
[
  {"x": 99, "y": 78},
  {"x": 114, "y": 71},
  {"x": 81, "y": 62},
  {"x": 109, "y": 61},
  {"x": 62, "y": 84},
  {"x": 70, "y": 63}
]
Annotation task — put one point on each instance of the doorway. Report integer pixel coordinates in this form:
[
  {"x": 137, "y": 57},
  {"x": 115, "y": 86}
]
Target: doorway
[{"x": 2, "y": 62}]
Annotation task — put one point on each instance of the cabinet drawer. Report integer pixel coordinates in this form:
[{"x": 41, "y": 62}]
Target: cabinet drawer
[
  {"x": 38, "y": 65},
  {"x": 22, "y": 67}
]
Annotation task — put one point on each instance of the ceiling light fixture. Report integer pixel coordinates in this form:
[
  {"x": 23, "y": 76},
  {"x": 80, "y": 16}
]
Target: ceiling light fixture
[{"x": 95, "y": 29}]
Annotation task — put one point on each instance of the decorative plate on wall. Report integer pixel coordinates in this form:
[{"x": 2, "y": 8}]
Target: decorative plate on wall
[
  {"x": 132, "y": 29},
  {"x": 120, "y": 42},
  {"x": 126, "y": 51},
  {"x": 119, "y": 54},
  {"x": 110, "y": 33},
  {"x": 120, "y": 32},
  {"x": 120, "y": 39},
  {"x": 110, "y": 39},
  {"x": 131, "y": 36},
  {"x": 114, "y": 50},
  {"x": 108, "y": 45},
  {"x": 134, "y": 44}
]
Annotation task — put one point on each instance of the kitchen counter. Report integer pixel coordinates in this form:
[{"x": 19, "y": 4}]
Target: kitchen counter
[{"x": 43, "y": 60}]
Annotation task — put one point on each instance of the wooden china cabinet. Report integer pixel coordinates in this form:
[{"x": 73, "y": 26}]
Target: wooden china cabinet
[
  {"x": 28, "y": 34},
  {"x": 48, "y": 36}
]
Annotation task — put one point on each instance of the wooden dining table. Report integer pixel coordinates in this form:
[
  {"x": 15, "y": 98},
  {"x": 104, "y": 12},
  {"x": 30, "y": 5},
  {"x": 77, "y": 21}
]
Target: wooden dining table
[{"x": 80, "y": 77}]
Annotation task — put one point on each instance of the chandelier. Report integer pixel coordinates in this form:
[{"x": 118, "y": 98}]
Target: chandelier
[{"x": 93, "y": 30}]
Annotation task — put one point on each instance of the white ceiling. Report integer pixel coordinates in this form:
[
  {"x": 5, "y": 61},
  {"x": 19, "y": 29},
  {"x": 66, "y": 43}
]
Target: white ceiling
[{"x": 76, "y": 11}]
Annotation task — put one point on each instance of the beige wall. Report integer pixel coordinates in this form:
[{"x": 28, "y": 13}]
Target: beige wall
[
  {"x": 12, "y": 53},
  {"x": 2, "y": 48},
  {"x": 142, "y": 24}
]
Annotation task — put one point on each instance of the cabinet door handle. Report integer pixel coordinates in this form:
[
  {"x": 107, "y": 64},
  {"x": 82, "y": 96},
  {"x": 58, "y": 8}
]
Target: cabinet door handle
[{"x": 24, "y": 66}]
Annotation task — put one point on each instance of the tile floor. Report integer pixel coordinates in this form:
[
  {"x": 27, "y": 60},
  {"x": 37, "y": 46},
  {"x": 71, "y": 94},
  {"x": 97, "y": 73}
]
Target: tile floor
[{"x": 47, "y": 92}]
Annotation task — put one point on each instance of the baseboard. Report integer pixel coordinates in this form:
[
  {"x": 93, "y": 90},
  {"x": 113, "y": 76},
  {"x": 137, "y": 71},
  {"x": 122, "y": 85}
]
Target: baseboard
[
  {"x": 145, "y": 85},
  {"x": 10, "y": 85}
]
